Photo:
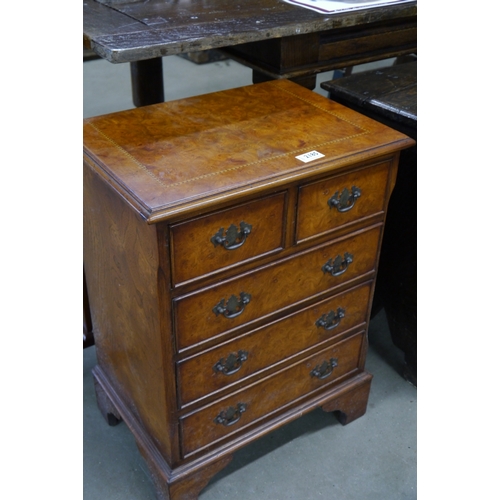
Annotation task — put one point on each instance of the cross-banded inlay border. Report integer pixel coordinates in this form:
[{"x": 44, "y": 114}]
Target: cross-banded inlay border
[{"x": 238, "y": 167}]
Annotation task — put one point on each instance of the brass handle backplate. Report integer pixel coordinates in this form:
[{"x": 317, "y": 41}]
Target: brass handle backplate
[
  {"x": 338, "y": 266},
  {"x": 233, "y": 307},
  {"x": 325, "y": 369},
  {"x": 231, "y": 415},
  {"x": 346, "y": 200},
  {"x": 331, "y": 320},
  {"x": 232, "y": 239},
  {"x": 231, "y": 364}
]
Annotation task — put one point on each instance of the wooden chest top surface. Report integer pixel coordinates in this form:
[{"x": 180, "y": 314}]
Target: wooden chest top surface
[{"x": 167, "y": 158}]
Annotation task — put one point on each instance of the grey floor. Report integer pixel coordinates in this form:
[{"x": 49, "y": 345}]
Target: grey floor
[{"x": 374, "y": 457}]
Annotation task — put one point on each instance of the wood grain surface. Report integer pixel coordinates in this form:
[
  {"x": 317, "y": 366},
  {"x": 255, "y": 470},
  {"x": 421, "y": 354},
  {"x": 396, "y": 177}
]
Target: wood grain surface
[
  {"x": 168, "y": 304},
  {"x": 132, "y": 31},
  {"x": 161, "y": 157}
]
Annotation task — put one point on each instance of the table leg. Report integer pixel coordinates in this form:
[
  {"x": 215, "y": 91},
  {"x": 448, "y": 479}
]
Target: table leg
[
  {"x": 88, "y": 334},
  {"x": 147, "y": 82}
]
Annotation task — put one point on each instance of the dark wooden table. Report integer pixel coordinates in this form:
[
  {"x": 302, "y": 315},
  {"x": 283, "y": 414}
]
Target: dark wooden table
[{"x": 276, "y": 39}]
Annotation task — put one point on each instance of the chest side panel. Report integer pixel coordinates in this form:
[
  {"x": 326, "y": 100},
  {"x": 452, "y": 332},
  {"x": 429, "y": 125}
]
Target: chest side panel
[{"x": 121, "y": 263}]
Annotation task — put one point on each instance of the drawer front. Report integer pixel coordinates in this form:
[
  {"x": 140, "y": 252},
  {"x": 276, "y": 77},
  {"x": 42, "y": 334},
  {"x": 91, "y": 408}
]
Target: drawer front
[
  {"x": 220, "y": 240},
  {"x": 330, "y": 204},
  {"x": 203, "y": 315},
  {"x": 235, "y": 412},
  {"x": 370, "y": 43},
  {"x": 233, "y": 361}
]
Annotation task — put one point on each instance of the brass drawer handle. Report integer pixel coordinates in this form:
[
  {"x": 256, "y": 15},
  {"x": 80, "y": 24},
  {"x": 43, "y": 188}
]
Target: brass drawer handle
[
  {"x": 325, "y": 369},
  {"x": 233, "y": 238},
  {"x": 233, "y": 307},
  {"x": 338, "y": 266},
  {"x": 346, "y": 200},
  {"x": 331, "y": 320},
  {"x": 231, "y": 364},
  {"x": 231, "y": 415}
]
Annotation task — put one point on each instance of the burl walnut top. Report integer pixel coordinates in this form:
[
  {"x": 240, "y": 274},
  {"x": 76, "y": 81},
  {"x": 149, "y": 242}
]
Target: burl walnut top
[{"x": 166, "y": 158}]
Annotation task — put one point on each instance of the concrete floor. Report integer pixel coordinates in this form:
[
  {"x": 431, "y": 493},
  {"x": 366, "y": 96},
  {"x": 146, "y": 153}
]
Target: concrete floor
[{"x": 374, "y": 457}]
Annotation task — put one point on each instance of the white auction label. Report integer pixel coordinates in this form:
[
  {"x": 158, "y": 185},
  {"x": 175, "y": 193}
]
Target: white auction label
[{"x": 307, "y": 157}]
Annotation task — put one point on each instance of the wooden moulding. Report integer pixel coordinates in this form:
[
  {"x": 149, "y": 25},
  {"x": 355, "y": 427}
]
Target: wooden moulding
[
  {"x": 267, "y": 162},
  {"x": 347, "y": 401}
]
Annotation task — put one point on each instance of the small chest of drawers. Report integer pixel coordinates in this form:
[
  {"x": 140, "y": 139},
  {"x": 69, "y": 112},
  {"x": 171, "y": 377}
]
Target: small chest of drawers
[{"x": 231, "y": 243}]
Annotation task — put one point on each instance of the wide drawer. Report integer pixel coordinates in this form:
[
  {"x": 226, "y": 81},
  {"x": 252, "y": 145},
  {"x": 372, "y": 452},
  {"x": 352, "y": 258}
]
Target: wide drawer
[
  {"x": 235, "y": 360},
  {"x": 332, "y": 203},
  {"x": 203, "y": 315},
  {"x": 222, "y": 239},
  {"x": 237, "y": 411}
]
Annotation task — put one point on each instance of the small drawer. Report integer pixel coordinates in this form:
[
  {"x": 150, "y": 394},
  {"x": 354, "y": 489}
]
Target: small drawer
[
  {"x": 207, "y": 313},
  {"x": 332, "y": 203},
  {"x": 223, "y": 239},
  {"x": 241, "y": 409},
  {"x": 233, "y": 361}
]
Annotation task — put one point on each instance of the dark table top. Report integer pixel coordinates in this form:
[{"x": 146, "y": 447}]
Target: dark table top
[
  {"x": 388, "y": 92},
  {"x": 134, "y": 30}
]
